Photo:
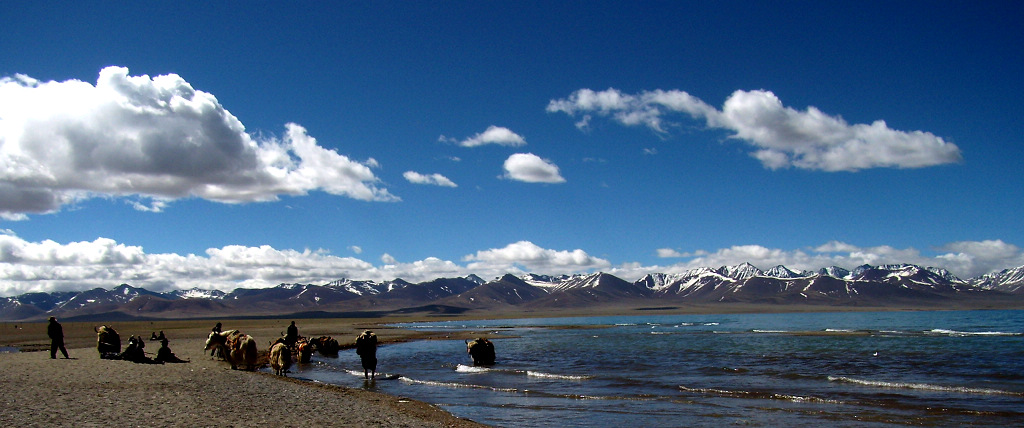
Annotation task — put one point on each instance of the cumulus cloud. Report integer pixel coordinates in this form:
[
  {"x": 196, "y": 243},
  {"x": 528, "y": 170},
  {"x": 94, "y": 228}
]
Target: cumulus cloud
[
  {"x": 781, "y": 137},
  {"x": 531, "y": 168},
  {"x": 156, "y": 138},
  {"x": 49, "y": 266},
  {"x": 533, "y": 258},
  {"x": 492, "y": 135},
  {"x": 434, "y": 179}
]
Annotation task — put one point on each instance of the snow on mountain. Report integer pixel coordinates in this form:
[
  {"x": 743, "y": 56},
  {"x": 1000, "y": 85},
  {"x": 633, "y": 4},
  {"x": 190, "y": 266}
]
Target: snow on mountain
[
  {"x": 1006, "y": 280},
  {"x": 740, "y": 271},
  {"x": 896, "y": 284},
  {"x": 549, "y": 282},
  {"x": 359, "y": 288},
  {"x": 198, "y": 293},
  {"x": 835, "y": 272},
  {"x": 781, "y": 271},
  {"x": 690, "y": 282}
]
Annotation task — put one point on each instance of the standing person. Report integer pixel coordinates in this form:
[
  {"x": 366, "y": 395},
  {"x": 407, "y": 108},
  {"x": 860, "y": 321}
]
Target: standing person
[
  {"x": 56, "y": 333},
  {"x": 292, "y": 335},
  {"x": 216, "y": 350},
  {"x": 366, "y": 347}
]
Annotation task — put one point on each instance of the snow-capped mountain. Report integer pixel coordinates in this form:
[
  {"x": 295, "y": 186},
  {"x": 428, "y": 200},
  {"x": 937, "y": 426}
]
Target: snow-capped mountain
[
  {"x": 198, "y": 293},
  {"x": 1007, "y": 280},
  {"x": 900, "y": 285},
  {"x": 781, "y": 271},
  {"x": 741, "y": 271}
]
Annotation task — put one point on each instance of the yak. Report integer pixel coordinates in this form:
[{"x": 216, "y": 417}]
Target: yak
[
  {"x": 280, "y": 358},
  {"x": 238, "y": 348}
]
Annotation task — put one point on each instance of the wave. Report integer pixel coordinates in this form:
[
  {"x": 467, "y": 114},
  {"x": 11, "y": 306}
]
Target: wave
[
  {"x": 764, "y": 395},
  {"x": 532, "y": 373},
  {"x": 458, "y": 385},
  {"x": 924, "y": 386},
  {"x": 454, "y": 384},
  {"x": 462, "y": 368},
  {"x": 855, "y": 332},
  {"x": 945, "y": 332}
]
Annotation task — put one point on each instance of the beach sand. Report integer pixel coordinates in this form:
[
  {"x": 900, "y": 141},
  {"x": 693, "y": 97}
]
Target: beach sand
[{"x": 88, "y": 391}]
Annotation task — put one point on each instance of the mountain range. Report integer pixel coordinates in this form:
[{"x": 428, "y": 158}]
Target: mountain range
[{"x": 894, "y": 286}]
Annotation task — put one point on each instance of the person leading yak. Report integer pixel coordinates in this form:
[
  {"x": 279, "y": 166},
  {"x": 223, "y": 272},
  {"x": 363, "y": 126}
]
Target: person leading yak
[
  {"x": 366, "y": 347},
  {"x": 292, "y": 335}
]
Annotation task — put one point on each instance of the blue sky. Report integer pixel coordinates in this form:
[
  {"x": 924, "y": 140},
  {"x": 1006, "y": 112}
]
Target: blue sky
[{"x": 226, "y": 144}]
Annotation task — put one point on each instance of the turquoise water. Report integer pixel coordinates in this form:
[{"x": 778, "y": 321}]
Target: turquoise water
[{"x": 850, "y": 369}]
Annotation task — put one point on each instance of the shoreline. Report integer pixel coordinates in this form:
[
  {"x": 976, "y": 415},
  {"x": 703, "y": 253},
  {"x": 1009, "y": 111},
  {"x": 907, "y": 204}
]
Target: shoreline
[{"x": 88, "y": 391}]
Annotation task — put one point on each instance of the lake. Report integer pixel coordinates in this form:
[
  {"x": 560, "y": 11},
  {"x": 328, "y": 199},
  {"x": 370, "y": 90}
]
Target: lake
[{"x": 935, "y": 368}]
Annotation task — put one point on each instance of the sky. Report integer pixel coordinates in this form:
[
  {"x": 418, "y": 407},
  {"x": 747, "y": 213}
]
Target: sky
[{"x": 172, "y": 145}]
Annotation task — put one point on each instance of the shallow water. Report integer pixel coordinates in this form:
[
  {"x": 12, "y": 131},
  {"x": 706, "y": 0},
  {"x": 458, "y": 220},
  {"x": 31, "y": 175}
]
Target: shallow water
[{"x": 863, "y": 369}]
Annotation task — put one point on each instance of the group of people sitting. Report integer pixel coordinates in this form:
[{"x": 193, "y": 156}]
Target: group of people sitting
[{"x": 108, "y": 343}]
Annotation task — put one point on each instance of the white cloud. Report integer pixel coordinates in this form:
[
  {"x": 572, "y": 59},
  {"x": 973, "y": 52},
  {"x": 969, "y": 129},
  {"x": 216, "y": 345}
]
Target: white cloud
[
  {"x": 534, "y": 259},
  {"x": 492, "y": 135},
  {"x": 531, "y": 168},
  {"x": 51, "y": 266},
  {"x": 434, "y": 179},
  {"x": 782, "y": 137},
  {"x": 669, "y": 253},
  {"x": 981, "y": 256},
  {"x": 356, "y": 249},
  {"x": 155, "y": 138}
]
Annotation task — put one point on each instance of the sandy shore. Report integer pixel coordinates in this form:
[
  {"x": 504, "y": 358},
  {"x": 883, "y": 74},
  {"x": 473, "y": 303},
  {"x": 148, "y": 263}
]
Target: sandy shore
[{"x": 88, "y": 391}]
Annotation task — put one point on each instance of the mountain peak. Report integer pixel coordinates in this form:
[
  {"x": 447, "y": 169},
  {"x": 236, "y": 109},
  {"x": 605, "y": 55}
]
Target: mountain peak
[{"x": 740, "y": 271}]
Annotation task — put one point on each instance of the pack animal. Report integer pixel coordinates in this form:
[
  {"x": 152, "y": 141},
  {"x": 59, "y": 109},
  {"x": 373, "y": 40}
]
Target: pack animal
[
  {"x": 304, "y": 350},
  {"x": 238, "y": 348},
  {"x": 327, "y": 346},
  {"x": 280, "y": 358},
  {"x": 482, "y": 351},
  {"x": 108, "y": 342}
]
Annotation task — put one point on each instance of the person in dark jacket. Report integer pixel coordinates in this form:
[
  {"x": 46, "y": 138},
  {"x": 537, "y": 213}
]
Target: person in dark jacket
[
  {"x": 366, "y": 347},
  {"x": 56, "y": 333},
  {"x": 164, "y": 354},
  {"x": 292, "y": 335}
]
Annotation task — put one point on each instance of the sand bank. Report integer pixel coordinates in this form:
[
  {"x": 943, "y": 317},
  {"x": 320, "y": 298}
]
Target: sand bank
[{"x": 88, "y": 391}]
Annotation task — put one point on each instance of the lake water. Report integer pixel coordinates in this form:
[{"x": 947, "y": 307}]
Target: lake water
[{"x": 850, "y": 369}]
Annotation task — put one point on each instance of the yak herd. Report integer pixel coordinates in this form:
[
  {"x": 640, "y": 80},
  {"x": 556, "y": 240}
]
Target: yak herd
[{"x": 239, "y": 349}]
